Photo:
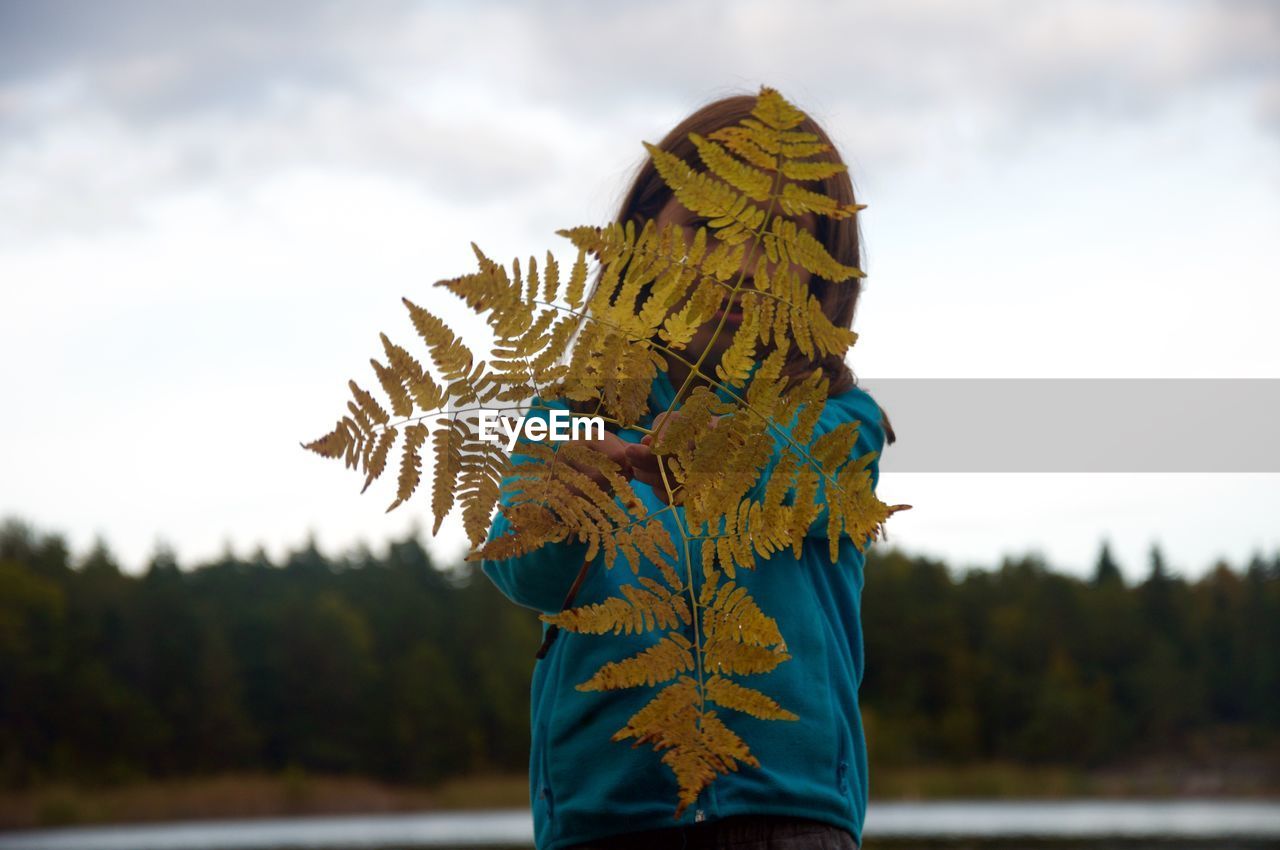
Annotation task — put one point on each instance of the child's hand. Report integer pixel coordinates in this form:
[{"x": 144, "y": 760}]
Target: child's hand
[
  {"x": 612, "y": 447},
  {"x": 644, "y": 463}
]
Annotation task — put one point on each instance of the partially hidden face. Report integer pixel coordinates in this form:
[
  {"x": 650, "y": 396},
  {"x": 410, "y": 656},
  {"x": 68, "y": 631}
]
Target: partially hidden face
[{"x": 705, "y": 339}]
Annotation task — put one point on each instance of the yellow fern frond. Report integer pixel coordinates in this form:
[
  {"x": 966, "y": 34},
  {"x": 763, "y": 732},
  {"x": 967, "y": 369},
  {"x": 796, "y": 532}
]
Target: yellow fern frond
[
  {"x": 401, "y": 404},
  {"x": 735, "y": 216},
  {"x": 805, "y": 509},
  {"x": 655, "y": 291},
  {"x": 796, "y": 200},
  {"x": 858, "y": 512},
  {"x": 828, "y": 338},
  {"x": 643, "y": 609},
  {"x": 679, "y": 699},
  {"x": 724, "y": 555},
  {"x": 798, "y": 245},
  {"x": 551, "y": 280},
  {"x": 752, "y": 182},
  {"x": 333, "y": 444},
  {"x": 796, "y": 145},
  {"x": 706, "y": 749},
  {"x": 426, "y": 394},
  {"x": 368, "y": 406},
  {"x": 724, "y": 655},
  {"x": 661, "y": 662},
  {"x": 534, "y": 339},
  {"x": 448, "y": 353},
  {"x": 582, "y": 456},
  {"x": 736, "y": 363},
  {"x": 507, "y": 299},
  {"x": 446, "y": 443},
  {"x": 735, "y": 615},
  {"x": 724, "y": 261},
  {"x": 378, "y": 457},
  {"x": 479, "y": 484},
  {"x": 774, "y": 111},
  {"x": 723, "y": 745},
  {"x": 410, "y": 464},
  {"x": 764, "y": 309},
  {"x": 742, "y": 142},
  {"x": 730, "y": 694},
  {"x": 818, "y": 169},
  {"x": 577, "y": 282},
  {"x": 533, "y": 526},
  {"x": 835, "y": 447},
  {"x": 653, "y": 540},
  {"x": 605, "y": 243},
  {"x": 698, "y": 746},
  {"x": 532, "y": 282},
  {"x": 679, "y": 327},
  {"x": 557, "y": 341},
  {"x": 354, "y": 446},
  {"x": 810, "y": 408}
]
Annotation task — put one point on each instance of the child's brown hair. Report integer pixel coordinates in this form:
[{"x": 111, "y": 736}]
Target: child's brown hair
[{"x": 648, "y": 194}]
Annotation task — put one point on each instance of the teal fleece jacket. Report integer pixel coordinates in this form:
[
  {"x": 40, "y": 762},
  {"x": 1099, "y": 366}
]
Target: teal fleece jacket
[{"x": 584, "y": 786}]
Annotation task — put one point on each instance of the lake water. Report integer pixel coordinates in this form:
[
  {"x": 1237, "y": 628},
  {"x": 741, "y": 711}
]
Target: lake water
[{"x": 949, "y": 825}]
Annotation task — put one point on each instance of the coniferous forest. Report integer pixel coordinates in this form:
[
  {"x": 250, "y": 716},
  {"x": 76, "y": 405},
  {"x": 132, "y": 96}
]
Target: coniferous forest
[{"x": 395, "y": 667}]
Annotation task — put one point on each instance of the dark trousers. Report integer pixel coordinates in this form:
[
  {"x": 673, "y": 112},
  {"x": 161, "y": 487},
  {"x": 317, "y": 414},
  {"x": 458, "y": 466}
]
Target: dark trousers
[{"x": 737, "y": 832}]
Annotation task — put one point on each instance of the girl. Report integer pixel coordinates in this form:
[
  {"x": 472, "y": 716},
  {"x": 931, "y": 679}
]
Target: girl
[{"x": 589, "y": 793}]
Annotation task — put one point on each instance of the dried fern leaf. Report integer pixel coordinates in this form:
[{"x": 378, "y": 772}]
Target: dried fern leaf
[
  {"x": 796, "y": 200},
  {"x": 393, "y": 386},
  {"x": 680, "y": 698},
  {"x": 659, "y": 663},
  {"x": 643, "y": 609},
  {"x": 773, "y": 110},
  {"x": 410, "y": 464},
  {"x": 807, "y": 170},
  {"x": 751, "y": 478},
  {"x": 752, "y": 182},
  {"x": 368, "y": 406},
  {"x": 334, "y": 444},
  {"x": 378, "y": 458},
  {"x": 450, "y": 356},
  {"x": 725, "y": 655},
  {"x": 798, "y": 245},
  {"x": 730, "y": 694},
  {"x": 703, "y": 750},
  {"x": 426, "y": 394},
  {"x": 731, "y": 212},
  {"x": 735, "y": 615},
  {"x": 742, "y": 141},
  {"x": 483, "y": 467}
]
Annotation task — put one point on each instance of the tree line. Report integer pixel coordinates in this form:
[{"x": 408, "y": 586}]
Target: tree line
[{"x": 396, "y": 667}]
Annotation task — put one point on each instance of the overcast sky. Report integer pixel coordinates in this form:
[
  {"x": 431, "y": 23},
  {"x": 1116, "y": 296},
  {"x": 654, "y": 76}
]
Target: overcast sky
[{"x": 209, "y": 211}]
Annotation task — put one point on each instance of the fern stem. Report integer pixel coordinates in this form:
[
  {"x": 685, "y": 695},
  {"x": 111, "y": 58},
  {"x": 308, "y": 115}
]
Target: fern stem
[{"x": 693, "y": 597}]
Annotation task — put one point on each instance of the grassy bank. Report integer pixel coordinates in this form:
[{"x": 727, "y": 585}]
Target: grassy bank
[
  {"x": 248, "y": 796},
  {"x": 1240, "y": 776},
  {"x": 297, "y": 793}
]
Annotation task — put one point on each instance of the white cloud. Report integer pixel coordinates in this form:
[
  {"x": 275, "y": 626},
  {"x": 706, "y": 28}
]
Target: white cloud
[{"x": 207, "y": 213}]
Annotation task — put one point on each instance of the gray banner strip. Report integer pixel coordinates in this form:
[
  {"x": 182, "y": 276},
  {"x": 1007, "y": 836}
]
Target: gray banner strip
[{"x": 1081, "y": 424}]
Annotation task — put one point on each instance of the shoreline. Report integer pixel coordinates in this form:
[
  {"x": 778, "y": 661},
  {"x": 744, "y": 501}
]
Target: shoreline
[{"x": 295, "y": 793}]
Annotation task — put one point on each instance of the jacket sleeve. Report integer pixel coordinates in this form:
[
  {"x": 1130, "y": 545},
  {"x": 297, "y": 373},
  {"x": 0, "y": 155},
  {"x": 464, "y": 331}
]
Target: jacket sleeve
[
  {"x": 855, "y": 405},
  {"x": 538, "y": 579}
]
